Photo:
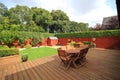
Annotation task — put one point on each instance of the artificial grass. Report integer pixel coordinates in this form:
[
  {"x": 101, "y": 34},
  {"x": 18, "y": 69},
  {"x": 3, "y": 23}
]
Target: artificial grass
[{"x": 35, "y": 53}]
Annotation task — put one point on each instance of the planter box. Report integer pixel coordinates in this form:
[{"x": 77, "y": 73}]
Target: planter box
[{"x": 9, "y": 60}]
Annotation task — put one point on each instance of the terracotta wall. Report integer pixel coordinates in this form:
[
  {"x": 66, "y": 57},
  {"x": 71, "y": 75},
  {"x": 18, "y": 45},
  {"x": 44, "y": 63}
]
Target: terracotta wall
[
  {"x": 102, "y": 42},
  {"x": 46, "y": 42}
]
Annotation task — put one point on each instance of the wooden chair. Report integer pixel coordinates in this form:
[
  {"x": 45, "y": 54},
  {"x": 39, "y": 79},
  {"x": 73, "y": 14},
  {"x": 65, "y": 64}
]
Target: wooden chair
[
  {"x": 66, "y": 59},
  {"x": 81, "y": 56}
]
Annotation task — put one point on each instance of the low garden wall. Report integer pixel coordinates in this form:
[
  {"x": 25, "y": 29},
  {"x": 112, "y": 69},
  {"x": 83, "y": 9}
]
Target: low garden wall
[
  {"x": 109, "y": 39},
  {"x": 101, "y": 42}
]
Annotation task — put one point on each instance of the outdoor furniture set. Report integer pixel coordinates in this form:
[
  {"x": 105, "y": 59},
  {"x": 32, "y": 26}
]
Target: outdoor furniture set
[{"x": 73, "y": 56}]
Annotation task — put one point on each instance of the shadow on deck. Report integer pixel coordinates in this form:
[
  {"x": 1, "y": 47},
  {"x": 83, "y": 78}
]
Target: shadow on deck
[{"x": 102, "y": 64}]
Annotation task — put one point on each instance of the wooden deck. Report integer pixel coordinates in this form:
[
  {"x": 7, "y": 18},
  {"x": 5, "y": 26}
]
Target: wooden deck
[{"x": 102, "y": 65}]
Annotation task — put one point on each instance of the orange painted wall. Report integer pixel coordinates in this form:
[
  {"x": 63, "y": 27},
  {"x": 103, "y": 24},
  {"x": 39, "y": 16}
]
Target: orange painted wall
[{"x": 101, "y": 42}]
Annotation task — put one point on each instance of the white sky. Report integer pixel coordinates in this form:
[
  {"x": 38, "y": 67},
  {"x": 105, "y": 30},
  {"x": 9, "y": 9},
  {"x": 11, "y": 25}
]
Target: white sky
[{"x": 88, "y": 11}]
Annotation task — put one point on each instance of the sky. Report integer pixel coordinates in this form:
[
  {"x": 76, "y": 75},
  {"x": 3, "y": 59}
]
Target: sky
[{"x": 87, "y": 11}]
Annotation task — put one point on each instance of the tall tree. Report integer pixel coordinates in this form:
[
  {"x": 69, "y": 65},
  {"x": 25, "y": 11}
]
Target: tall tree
[
  {"x": 3, "y": 9},
  {"x": 60, "y": 21},
  {"x": 83, "y": 26},
  {"x": 20, "y": 14},
  {"x": 42, "y": 18},
  {"x": 74, "y": 26}
]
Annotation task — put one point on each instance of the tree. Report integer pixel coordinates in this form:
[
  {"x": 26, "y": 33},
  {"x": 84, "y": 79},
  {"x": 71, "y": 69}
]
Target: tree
[
  {"x": 74, "y": 27},
  {"x": 42, "y": 18},
  {"x": 60, "y": 21},
  {"x": 83, "y": 26},
  {"x": 21, "y": 15},
  {"x": 98, "y": 27},
  {"x": 3, "y": 9},
  {"x": 4, "y": 22}
]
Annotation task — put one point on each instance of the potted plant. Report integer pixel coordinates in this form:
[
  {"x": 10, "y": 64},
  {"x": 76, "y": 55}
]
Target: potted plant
[
  {"x": 24, "y": 57},
  {"x": 76, "y": 45}
]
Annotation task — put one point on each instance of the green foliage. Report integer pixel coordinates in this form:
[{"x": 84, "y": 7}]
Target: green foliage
[
  {"x": 35, "y": 41},
  {"x": 8, "y": 52},
  {"x": 23, "y": 18},
  {"x": 20, "y": 15},
  {"x": 28, "y": 46},
  {"x": 8, "y": 37},
  {"x": 87, "y": 42},
  {"x": 76, "y": 45},
  {"x": 24, "y": 57},
  {"x": 77, "y": 27},
  {"x": 4, "y": 47},
  {"x": 60, "y": 21},
  {"x": 42, "y": 17},
  {"x": 3, "y": 9},
  {"x": 71, "y": 43},
  {"x": 89, "y": 34}
]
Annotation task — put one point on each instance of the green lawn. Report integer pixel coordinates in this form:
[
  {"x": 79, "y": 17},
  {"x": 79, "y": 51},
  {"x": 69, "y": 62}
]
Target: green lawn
[{"x": 34, "y": 53}]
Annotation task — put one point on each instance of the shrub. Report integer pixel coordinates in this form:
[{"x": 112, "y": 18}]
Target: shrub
[
  {"x": 71, "y": 43},
  {"x": 91, "y": 44},
  {"x": 8, "y": 52},
  {"x": 8, "y": 37},
  {"x": 4, "y": 47},
  {"x": 28, "y": 46},
  {"x": 87, "y": 42},
  {"x": 76, "y": 45},
  {"x": 24, "y": 57},
  {"x": 89, "y": 34}
]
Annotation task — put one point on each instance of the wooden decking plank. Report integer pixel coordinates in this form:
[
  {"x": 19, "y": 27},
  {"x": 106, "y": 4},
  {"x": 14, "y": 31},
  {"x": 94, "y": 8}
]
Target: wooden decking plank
[
  {"x": 92, "y": 74},
  {"x": 50, "y": 66},
  {"x": 40, "y": 71},
  {"x": 28, "y": 71},
  {"x": 101, "y": 65},
  {"x": 4, "y": 73},
  {"x": 14, "y": 72},
  {"x": 74, "y": 73},
  {"x": 19, "y": 71},
  {"x": 44, "y": 70},
  {"x": 49, "y": 72},
  {"x": 34, "y": 74},
  {"x": 81, "y": 73},
  {"x": 1, "y": 73},
  {"x": 9, "y": 75},
  {"x": 62, "y": 73},
  {"x": 101, "y": 68}
]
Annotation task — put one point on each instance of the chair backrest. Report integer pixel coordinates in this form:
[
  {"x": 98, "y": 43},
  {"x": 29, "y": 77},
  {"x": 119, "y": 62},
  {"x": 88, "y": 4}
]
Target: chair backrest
[
  {"x": 62, "y": 55},
  {"x": 61, "y": 52},
  {"x": 83, "y": 52}
]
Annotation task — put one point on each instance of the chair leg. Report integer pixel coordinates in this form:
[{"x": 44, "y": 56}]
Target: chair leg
[
  {"x": 74, "y": 64},
  {"x": 68, "y": 66}
]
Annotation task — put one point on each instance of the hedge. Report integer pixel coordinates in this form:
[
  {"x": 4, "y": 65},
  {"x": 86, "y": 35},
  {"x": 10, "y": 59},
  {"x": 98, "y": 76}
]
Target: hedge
[
  {"x": 8, "y": 37},
  {"x": 8, "y": 52},
  {"x": 89, "y": 34}
]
